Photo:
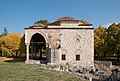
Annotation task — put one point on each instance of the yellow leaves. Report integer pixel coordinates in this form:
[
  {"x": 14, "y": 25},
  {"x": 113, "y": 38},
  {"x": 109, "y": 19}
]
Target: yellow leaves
[
  {"x": 10, "y": 42},
  {"x": 99, "y": 40}
]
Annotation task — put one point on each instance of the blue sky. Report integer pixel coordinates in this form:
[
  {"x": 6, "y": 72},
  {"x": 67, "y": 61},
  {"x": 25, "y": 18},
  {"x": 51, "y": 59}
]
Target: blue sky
[{"x": 18, "y": 14}]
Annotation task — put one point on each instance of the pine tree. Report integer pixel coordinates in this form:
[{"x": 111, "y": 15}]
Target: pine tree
[{"x": 5, "y": 32}]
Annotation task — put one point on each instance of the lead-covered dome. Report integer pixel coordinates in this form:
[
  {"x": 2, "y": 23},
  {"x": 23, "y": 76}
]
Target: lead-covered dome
[
  {"x": 70, "y": 21},
  {"x": 38, "y": 25},
  {"x": 66, "y": 18}
]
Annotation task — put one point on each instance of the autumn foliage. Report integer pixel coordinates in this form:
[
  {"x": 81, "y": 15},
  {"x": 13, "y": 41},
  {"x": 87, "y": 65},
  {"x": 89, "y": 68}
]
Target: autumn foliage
[
  {"x": 107, "y": 41},
  {"x": 10, "y": 43}
]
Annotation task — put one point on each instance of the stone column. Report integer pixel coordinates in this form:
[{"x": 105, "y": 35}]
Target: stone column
[
  {"x": 27, "y": 53},
  {"x": 47, "y": 56},
  {"x": 31, "y": 51}
]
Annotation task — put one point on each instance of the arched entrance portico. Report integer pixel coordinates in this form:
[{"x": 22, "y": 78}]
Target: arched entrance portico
[{"x": 37, "y": 47}]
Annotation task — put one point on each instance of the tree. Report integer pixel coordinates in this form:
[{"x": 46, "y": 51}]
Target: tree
[
  {"x": 5, "y": 32},
  {"x": 44, "y": 22},
  {"x": 107, "y": 41},
  {"x": 99, "y": 41},
  {"x": 114, "y": 39},
  {"x": 22, "y": 46},
  {"x": 10, "y": 43},
  {"x": 0, "y": 47}
]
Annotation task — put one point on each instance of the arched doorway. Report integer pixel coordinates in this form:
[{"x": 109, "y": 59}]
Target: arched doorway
[{"x": 37, "y": 47}]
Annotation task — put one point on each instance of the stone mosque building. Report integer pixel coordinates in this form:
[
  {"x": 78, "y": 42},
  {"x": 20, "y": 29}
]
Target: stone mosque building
[{"x": 67, "y": 40}]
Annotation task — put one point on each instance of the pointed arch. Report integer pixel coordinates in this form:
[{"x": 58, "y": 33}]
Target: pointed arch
[
  {"x": 64, "y": 51},
  {"x": 29, "y": 35},
  {"x": 78, "y": 51}
]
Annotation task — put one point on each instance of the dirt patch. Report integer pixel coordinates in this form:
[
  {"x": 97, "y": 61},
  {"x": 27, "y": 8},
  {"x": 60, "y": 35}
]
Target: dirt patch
[{"x": 2, "y": 59}]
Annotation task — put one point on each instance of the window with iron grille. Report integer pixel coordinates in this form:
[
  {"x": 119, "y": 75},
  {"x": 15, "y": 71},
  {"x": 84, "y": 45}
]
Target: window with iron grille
[
  {"x": 63, "y": 57},
  {"x": 77, "y": 57}
]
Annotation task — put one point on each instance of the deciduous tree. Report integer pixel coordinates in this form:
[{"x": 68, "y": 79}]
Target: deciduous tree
[
  {"x": 22, "y": 46},
  {"x": 114, "y": 39},
  {"x": 44, "y": 22},
  {"x": 10, "y": 43},
  {"x": 99, "y": 41}
]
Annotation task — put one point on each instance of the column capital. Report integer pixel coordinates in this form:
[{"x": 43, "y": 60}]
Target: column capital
[
  {"x": 47, "y": 44},
  {"x": 27, "y": 44}
]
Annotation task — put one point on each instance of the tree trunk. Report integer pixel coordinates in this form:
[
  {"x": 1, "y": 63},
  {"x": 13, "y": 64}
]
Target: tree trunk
[
  {"x": 118, "y": 56},
  {"x": 105, "y": 54},
  {"x": 16, "y": 53},
  {"x": 0, "y": 53}
]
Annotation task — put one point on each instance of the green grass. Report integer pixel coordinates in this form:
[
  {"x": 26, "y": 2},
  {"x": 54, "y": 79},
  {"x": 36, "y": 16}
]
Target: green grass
[{"x": 17, "y": 71}]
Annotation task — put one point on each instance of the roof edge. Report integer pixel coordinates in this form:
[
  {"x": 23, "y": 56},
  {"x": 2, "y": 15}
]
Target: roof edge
[{"x": 58, "y": 28}]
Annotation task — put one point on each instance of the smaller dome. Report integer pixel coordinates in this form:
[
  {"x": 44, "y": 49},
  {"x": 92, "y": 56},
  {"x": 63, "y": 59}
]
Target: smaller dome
[
  {"x": 38, "y": 25},
  {"x": 66, "y": 18}
]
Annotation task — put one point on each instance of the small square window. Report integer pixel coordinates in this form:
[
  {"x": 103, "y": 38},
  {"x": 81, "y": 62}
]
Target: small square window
[
  {"x": 63, "y": 57},
  {"x": 77, "y": 57}
]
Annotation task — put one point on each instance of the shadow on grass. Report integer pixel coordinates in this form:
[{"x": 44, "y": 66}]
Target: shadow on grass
[{"x": 16, "y": 59}]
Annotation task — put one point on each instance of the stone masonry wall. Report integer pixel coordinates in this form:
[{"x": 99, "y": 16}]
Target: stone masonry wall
[
  {"x": 72, "y": 42},
  {"x": 78, "y": 41},
  {"x": 53, "y": 37}
]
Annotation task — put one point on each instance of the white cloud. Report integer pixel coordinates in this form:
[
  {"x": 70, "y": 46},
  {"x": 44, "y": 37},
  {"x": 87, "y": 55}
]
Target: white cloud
[{"x": 108, "y": 24}]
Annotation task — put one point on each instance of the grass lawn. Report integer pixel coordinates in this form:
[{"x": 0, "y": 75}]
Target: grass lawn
[{"x": 18, "y": 71}]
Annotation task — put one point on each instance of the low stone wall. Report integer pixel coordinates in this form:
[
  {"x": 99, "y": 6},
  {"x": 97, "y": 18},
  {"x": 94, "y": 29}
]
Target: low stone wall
[
  {"x": 35, "y": 62},
  {"x": 32, "y": 62},
  {"x": 108, "y": 64},
  {"x": 73, "y": 68}
]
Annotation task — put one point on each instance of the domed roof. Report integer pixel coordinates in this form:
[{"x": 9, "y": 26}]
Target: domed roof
[
  {"x": 71, "y": 19},
  {"x": 38, "y": 25},
  {"x": 66, "y": 18}
]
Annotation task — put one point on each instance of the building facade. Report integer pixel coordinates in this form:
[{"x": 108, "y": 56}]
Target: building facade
[{"x": 65, "y": 41}]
